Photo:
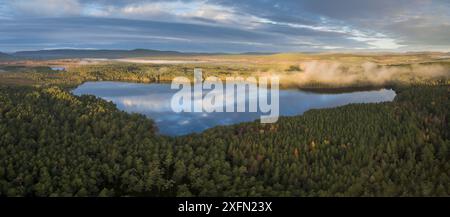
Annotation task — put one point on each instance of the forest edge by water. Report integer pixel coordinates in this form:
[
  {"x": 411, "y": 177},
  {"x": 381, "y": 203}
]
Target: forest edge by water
[{"x": 58, "y": 144}]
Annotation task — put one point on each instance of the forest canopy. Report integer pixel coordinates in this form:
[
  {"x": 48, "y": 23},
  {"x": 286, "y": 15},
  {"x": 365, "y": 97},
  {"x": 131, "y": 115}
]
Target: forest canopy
[{"x": 56, "y": 144}]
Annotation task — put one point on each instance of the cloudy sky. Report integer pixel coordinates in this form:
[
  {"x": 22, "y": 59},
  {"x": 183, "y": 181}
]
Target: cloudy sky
[{"x": 226, "y": 26}]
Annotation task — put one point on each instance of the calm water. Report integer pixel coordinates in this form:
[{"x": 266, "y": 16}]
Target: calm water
[{"x": 153, "y": 100}]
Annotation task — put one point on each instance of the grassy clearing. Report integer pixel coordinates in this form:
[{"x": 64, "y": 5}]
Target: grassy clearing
[{"x": 294, "y": 69}]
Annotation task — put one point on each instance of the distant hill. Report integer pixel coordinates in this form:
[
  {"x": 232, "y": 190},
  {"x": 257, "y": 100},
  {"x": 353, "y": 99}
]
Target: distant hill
[
  {"x": 4, "y": 56},
  {"x": 110, "y": 54},
  {"x": 257, "y": 53}
]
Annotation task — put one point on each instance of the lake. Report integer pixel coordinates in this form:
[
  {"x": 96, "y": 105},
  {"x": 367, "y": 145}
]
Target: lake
[{"x": 154, "y": 101}]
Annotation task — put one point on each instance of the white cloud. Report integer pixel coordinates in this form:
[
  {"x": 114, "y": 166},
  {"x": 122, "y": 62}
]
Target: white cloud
[
  {"x": 178, "y": 11},
  {"x": 48, "y": 8},
  {"x": 379, "y": 43},
  {"x": 374, "y": 40}
]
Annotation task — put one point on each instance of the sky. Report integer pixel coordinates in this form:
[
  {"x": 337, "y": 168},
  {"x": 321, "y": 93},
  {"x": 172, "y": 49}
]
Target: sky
[{"x": 226, "y": 25}]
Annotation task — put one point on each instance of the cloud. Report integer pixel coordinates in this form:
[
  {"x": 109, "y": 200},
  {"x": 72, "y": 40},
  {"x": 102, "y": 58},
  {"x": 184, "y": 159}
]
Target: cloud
[
  {"x": 227, "y": 25},
  {"x": 126, "y": 34},
  {"x": 405, "y": 24},
  {"x": 432, "y": 31},
  {"x": 360, "y": 9},
  {"x": 46, "y": 7},
  {"x": 174, "y": 11}
]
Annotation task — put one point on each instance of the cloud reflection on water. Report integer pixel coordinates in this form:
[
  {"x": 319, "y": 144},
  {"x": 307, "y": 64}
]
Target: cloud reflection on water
[{"x": 153, "y": 100}]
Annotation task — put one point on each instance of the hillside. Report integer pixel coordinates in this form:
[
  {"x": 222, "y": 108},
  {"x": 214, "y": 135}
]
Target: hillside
[
  {"x": 110, "y": 54},
  {"x": 4, "y": 56}
]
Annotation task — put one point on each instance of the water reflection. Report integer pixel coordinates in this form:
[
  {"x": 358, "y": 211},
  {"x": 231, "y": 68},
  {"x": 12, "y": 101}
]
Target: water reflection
[{"x": 153, "y": 100}]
